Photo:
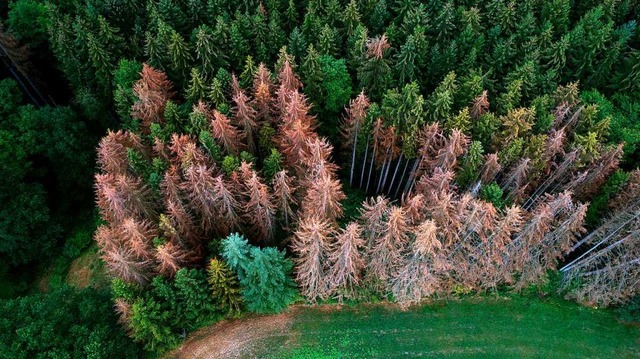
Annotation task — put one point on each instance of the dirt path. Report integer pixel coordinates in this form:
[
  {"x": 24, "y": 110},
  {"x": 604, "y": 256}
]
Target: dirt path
[{"x": 236, "y": 338}]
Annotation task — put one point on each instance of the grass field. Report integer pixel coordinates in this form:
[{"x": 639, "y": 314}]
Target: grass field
[{"x": 481, "y": 328}]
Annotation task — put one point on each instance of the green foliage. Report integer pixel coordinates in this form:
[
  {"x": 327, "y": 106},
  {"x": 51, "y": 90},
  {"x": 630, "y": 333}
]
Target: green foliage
[
  {"x": 235, "y": 250},
  {"x": 28, "y": 20},
  {"x": 169, "y": 308},
  {"x": 336, "y": 83},
  {"x": 63, "y": 323},
  {"x": 224, "y": 286},
  {"x": 272, "y": 164},
  {"x": 44, "y": 153},
  {"x": 124, "y": 77},
  {"x": 264, "y": 274},
  {"x": 209, "y": 143},
  {"x": 492, "y": 193},
  {"x": 471, "y": 164},
  {"x": 623, "y": 113},
  {"x": 230, "y": 164}
]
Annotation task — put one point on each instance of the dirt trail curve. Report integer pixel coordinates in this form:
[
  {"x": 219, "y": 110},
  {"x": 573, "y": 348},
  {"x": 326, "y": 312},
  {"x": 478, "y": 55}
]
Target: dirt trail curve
[{"x": 235, "y": 338}]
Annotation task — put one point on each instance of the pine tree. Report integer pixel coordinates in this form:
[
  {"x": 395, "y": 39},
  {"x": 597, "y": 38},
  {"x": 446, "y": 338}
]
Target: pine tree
[
  {"x": 312, "y": 75},
  {"x": 180, "y": 55},
  {"x": 440, "y": 102},
  {"x": 245, "y": 116},
  {"x": 297, "y": 44},
  {"x": 388, "y": 248},
  {"x": 227, "y": 135},
  {"x": 346, "y": 260},
  {"x": 224, "y": 286},
  {"x": 284, "y": 200},
  {"x": 207, "y": 52},
  {"x": 238, "y": 44},
  {"x": 351, "y": 17},
  {"x": 310, "y": 244},
  {"x": 170, "y": 258},
  {"x": 196, "y": 89},
  {"x": 153, "y": 91},
  {"x": 374, "y": 73},
  {"x": 259, "y": 210}
]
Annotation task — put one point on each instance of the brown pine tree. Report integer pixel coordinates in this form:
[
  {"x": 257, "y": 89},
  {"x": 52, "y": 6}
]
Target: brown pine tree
[
  {"x": 170, "y": 257},
  {"x": 310, "y": 244},
  {"x": 153, "y": 90},
  {"x": 480, "y": 105},
  {"x": 259, "y": 210},
  {"x": 388, "y": 249},
  {"x": 245, "y": 117},
  {"x": 122, "y": 196},
  {"x": 346, "y": 260},
  {"x": 283, "y": 197},
  {"x": 323, "y": 199},
  {"x": 112, "y": 151},
  {"x": 419, "y": 274},
  {"x": 229, "y": 137}
]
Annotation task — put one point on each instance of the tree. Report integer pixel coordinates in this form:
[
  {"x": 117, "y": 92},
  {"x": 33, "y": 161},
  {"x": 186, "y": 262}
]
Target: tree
[
  {"x": 227, "y": 135},
  {"x": 153, "y": 91},
  {"x": 351, "y": 17},
  {"x": 28, "y": 21},
  {"x": 374, "y": 73},
  {"x": 263, "y": 274},
  {"x": 388, "y": 248},
  {"x": 346, "y": 262},
  {"x": 284, "y": 200},
  {"x": 312, "y": 75},
  {"x": 336, "y": 83},
  {"x": 259, "y": 210},
  {"x": 310, "y": 245},
  {"x": 224, "y": 286},
  {"x": 63, "y": 322}
]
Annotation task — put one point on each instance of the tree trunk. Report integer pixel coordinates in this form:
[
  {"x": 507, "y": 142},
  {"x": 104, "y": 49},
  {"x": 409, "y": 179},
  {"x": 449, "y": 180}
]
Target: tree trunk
[
  {"x": 364, "y": 161},
  {"x": 353, "y": 155},
  {"x": 372, "y": 164},
  {"x": 407, "y": 187},
  {"x": 404, "y": 172},
  {"x": 395, "y": 172}
]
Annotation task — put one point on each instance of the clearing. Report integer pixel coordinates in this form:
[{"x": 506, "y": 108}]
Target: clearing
[{"x": 480, "y": 328}]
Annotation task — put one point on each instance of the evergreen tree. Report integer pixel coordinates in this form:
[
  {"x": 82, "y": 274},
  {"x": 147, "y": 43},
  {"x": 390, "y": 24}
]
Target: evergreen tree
[
  {"x": 224, "y": 286},
  {"x": 374, "y": 73}
]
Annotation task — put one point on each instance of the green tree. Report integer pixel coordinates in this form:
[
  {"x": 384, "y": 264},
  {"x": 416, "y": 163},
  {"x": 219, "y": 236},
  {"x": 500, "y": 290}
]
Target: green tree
[
  {"x": 224, "y": 286},
  {"x": 28, "y": 20},
  {"x": 264, "y": 274},
  {"x": 312, "y": 76},
  {"x": 196, "y": 89},
  {"x": 351, "y": 17},
  {"x": 272, "y": 164},
  {"x": 440, "y": 102},
  {"x": 327, "y": 41},
  {"x": 63, "y": 323},
  {"x": 336, "y": 83},
  {"x": 127, "y": 73},
  {"x": 492, "y": 193}
]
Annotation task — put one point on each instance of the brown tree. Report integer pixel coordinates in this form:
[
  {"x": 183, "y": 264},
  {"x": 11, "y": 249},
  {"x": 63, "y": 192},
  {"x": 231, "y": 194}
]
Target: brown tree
[
  {"x": 259, "y": 210},
  {"x": 346, "y": 260},
  {"x": 283, "y": 197},
  {"x": 388, "y": 249},
  {"x": 153, "y": 91},
  {"x": 310, "y": 244}
]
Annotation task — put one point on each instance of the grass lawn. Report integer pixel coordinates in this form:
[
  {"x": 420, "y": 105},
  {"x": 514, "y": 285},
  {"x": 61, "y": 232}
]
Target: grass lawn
[{"x": 479, "y": 328}]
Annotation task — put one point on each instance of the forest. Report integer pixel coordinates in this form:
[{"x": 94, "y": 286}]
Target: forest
[{"x": 213, "y": 158}]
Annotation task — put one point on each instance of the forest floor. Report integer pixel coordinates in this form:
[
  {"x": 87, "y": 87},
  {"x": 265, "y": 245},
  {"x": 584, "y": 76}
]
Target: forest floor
[{"x": 504, "y": 327}]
